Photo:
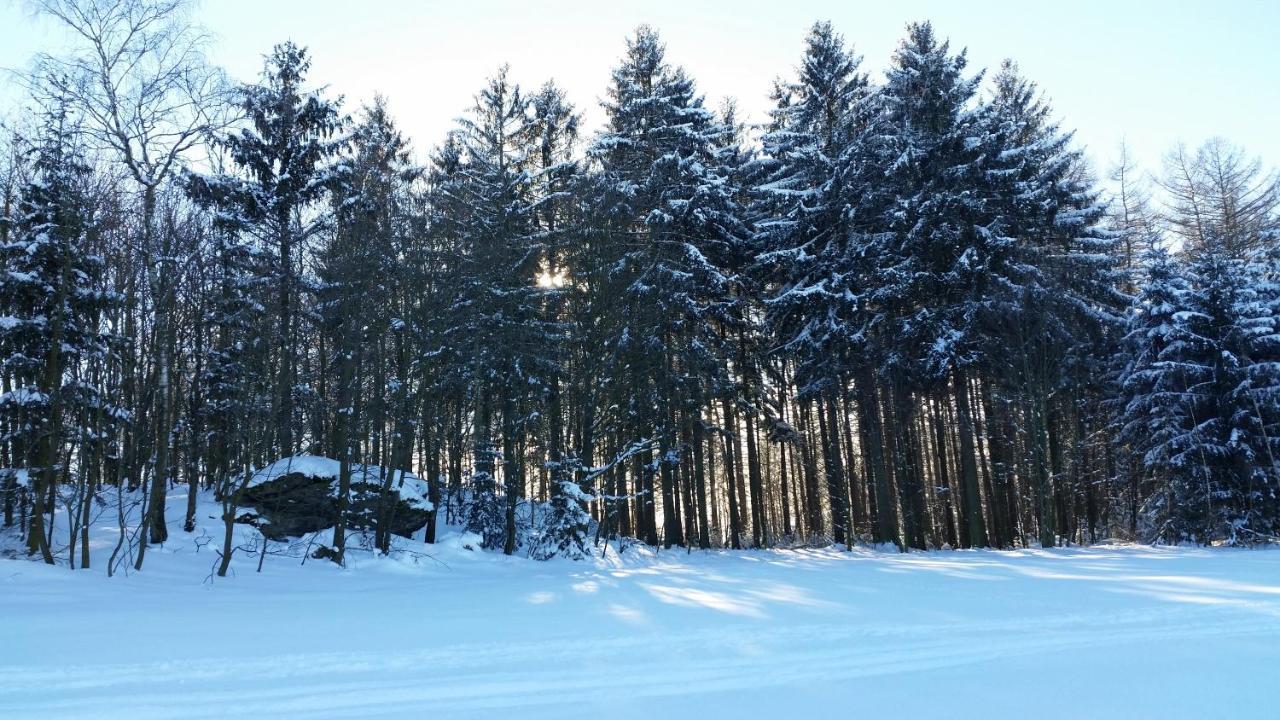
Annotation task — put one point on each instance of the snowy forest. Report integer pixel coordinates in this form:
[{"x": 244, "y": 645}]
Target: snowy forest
[{"x": 901, "y": 310}]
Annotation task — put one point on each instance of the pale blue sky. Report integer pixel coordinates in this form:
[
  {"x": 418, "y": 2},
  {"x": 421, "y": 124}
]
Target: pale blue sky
[{"x": 1151, "y": 72}]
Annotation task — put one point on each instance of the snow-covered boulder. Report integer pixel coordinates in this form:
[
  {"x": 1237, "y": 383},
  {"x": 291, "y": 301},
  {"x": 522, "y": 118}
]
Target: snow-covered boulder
[
  {"x": 19, "y": 477},
  {"x": 298, "y": 495},
  {"x": 15, "y": 484}
]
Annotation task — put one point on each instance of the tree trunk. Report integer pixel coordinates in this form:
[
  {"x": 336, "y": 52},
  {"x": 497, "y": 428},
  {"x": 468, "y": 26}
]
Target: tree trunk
[
  {"x": 886, "y": 524},
  {"x": 837, "y": 493},
  {"x": 968, "y": 465}
]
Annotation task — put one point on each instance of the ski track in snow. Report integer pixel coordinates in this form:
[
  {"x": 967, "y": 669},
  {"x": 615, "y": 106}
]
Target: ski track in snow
[
  {"x": 1102, "y": 632},
  {"x": 458, "y": 677}
]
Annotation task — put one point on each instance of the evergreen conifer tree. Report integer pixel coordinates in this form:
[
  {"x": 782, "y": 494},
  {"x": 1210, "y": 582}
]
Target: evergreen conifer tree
[
  {"x": 666, "y": 218},
  {"x": 51, "y": 302}
]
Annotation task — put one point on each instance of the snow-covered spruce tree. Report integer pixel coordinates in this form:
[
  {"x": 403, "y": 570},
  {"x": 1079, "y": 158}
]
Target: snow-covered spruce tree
[
  {"x": 978, "y": 262},
  {"x": 12, "y": 173},
  {"x": 921, "y": 220},
  {"x": 1053, "y": 309},
  {"x": 1149, "y": 389},
  {"x": 283, "y": 166},
  {"x": 51, "y": 302},
  {"x": 740, "y": 389},
  {"x": 235, "y": 382},
  {"x": 1223, "y": 478},
  {"x": 444, "y": 379},
  {"x": 812, "y": 303},
  {"x": 464, "y": 371},
  {"x": 803, "y": 224},
  {"x": 664, "y": 217},
  {"x": 1137, "y": 227},
  {"x": 556, "y": 177},
  {"x": 360, "y": 303},
  {"x": 506, "y": 343}
]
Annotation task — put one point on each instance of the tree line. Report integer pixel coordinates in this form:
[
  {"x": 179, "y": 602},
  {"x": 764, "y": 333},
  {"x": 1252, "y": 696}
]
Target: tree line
[{"x": 902, "y": 310}]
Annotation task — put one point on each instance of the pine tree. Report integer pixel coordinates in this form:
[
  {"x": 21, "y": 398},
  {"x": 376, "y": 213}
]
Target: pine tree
[
  {"x": 812, "y": 304},
  {"x": 362, "y": 288},
  {"x": 1149, "y": 413},
  {"x": 1057, "y": 305},
  {"x": 499, "y": 322},
  {"x": 923, "y": 226},
  {"x": 744, "y": 332},
  {"x": 51, "y": 302},
  {"x": 666, "y": 216},
  {"x": 283, "y": 159},
  {"x": 235, "y": 382},
  {"x": 1223, "y": 478},
  {"x": 556, "y": 180},
  {"x": 444, "y": 378}
]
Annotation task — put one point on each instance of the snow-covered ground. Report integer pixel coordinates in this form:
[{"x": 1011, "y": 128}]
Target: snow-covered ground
[{"x": 443, "y": 631}]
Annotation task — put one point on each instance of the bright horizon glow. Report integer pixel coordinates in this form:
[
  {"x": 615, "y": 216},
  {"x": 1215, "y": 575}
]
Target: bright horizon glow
[{"x": 1149, "y": 73}]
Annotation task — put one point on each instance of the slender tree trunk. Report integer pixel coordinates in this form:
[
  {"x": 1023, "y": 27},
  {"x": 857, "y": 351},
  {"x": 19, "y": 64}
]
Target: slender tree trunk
[
  {"x": 837, "y": 493},
  {"x": 345, "y": 425},
  {"x": 857, "y": 503},
  {"x": 157, "y": 527},
  {"x": 942, "y": 462},
  {"x": 886, "y": 524},
  {"x": 759, "y": 514},
  {"x": 700, "y": 479},
  {"x": 731, "y": 473},
  {"x": 813, "y": 495},
  {"x": 1043, "y": 483},
  {"x": 510, "y": 475},
  {"x": 968, "y": 465}
]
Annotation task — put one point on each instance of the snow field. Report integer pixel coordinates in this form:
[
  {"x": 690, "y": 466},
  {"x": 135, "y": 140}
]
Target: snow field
[{"x": 449, "y": 632}]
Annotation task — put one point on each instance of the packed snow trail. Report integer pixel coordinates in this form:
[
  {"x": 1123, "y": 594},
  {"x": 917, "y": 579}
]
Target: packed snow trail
[{"x": 1103, "y": 632}]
